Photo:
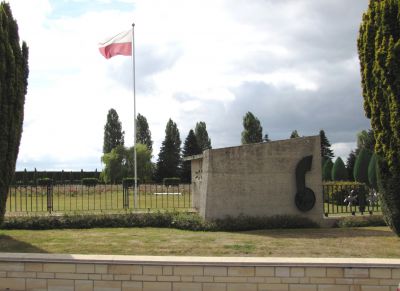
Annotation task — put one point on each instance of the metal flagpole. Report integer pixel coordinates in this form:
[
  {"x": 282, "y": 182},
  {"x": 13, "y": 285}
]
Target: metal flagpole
[{"x": 134, "y": 111}]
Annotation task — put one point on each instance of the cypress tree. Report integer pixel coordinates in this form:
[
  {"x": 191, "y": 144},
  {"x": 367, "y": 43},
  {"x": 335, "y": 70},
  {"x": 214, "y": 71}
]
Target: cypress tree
[
  {"x": 379, "y": 50},
  {"x": 361, "y": 166},
  {"x": 113, "y": 134},
  {"x": 327, "y": 170},
  {"x": 326, "y": 151},
  {"x": 372, "y": 179},
  {"x": 190, "y": 148},
  {"x": 351, "y": 160},
  {"x": 339, "y": 171},
  {"x": 143, "y": 133},
  {"x": 294, "y": 134},
  {"x": 14, "y": 73},
  {"x": 201, "y": 134},
  {"x": 252, "y": 132},
  {"x": 169, "y": 157}
]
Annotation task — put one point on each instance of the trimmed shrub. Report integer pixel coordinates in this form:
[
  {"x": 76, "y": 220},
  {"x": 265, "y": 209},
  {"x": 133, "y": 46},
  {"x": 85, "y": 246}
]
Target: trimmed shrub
[
  {"x": 361, "y": 221},
  {"x": 171, "y": 181},
  {"x": 178, "y": 220},
  {"x": 361, "y": 166},
  {"x": 372, "y": 177},
  {"x": 339, "y": 171},
  {"x": 327, "y": 170},
  {"x": 243, "y": 222}
]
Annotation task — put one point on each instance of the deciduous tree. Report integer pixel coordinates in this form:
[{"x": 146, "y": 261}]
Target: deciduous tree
[
  {"x": 14, "y": 73},
  {"x": 120, "y": 163},
  {"x": 252, "y": 132}
]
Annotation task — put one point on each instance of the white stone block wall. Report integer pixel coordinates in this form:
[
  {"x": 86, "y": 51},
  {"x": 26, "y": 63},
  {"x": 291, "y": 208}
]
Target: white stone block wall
[{"x": 128, "y": 273}]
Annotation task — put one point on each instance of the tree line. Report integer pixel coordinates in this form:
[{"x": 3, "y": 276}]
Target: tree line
[
  {"x": 360, "y": 165},
  {"x": 119, "y": 159}
]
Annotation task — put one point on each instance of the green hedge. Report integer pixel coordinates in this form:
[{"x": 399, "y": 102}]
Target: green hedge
[
  {"x": 361, "y": 221},
  {"x": 179, "y": 220}
]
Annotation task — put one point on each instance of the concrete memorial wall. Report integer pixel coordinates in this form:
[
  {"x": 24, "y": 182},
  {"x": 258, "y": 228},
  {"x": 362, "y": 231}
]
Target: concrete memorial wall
[{"x": 264, "y": 179}]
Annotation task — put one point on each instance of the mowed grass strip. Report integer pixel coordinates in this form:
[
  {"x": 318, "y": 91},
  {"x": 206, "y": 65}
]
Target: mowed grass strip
[{"x": 347, "y": 242}]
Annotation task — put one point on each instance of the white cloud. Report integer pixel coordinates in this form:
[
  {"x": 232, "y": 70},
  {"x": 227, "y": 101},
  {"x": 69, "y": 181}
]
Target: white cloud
[
  {"x": 342, "y": 149},
  {"x": 195, "y": 60}
]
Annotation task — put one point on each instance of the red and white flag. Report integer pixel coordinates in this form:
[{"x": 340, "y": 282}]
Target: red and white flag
[{"x": 120, "y": 44}]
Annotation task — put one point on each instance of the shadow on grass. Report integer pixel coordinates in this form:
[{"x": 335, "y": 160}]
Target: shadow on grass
[
  {"x": 9, "y": 244},
  {"x": 319, "y": 233}
]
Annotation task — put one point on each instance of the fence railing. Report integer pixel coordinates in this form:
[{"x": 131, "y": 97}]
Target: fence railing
[
  {"x": 338, "y": 198},
  {"x": 107, "y": 198},
  {"x": 349, "y": 199}
]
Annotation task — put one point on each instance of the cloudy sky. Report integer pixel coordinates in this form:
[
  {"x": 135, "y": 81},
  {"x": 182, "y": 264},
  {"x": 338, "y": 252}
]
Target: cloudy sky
[{"x": 293, "y": 63}]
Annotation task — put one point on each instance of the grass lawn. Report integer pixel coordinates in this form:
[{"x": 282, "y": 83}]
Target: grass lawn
[{"x": 365, "y": 242}]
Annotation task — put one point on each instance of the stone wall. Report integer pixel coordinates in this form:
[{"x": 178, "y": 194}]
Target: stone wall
[
  {"x": 256, "y": 179},
  {"x": 128, "y": 273}
]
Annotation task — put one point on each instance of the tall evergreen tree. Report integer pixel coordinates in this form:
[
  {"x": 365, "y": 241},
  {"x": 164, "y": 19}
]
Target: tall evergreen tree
[
  {"x": 327, "y": 170},
  {"x": 361, "y": 166},
  {"x": 379, "y": 50},
  {"x": 339, "y": 171},
  {"x": 372, "y": 172},
  {"x": 326, "y": 151},
  {"x": 201, "y": 134},
  {"x": 113, "y": 134},
  {"x": 143, "y": 133},
  {"x": 294, "y": 134},
  {"x": 190, "y": 148},
  {"x": 14, "y": 73},
  {"x": 169, "y": 157},
  {"x": 252, "y": 132},
  {"x": 350, "y": 162}
]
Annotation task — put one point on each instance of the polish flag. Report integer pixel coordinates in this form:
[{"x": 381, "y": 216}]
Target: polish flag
[{"x": 120, "y": 44}]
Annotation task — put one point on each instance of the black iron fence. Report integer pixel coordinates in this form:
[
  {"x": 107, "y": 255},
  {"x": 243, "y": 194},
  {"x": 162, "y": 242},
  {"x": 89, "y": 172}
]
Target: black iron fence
[
  {"x": 350, "y": 198},
  {"x": 58, "y": 197}
]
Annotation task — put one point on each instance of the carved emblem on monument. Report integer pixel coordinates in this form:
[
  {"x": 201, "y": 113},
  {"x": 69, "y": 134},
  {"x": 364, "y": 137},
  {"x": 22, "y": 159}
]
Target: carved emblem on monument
[{"x": 305, "y": 197}]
